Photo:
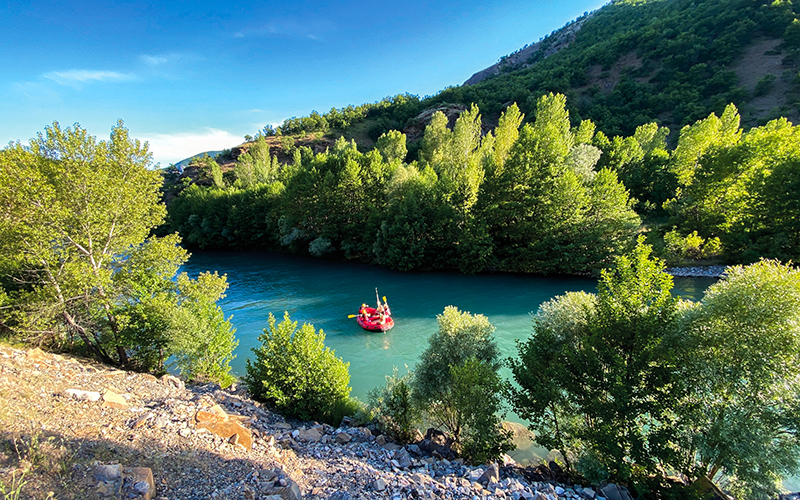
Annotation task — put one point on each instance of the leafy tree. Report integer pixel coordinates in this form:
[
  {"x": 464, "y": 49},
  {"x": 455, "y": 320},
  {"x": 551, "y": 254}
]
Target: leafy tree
[
  {"x": 74, "y": 236},
  {"x": 608, "y": 356},
  {"x": 295, "y": 372},
  {"x": 392, "y": 146},
  {"x": 745, "y": 404},
  {"x": 461, "y": 337},
  {"x": 395, "y": 403},
  {"x": 477, "y": 391},
  {"x": 82, "y": 205}
]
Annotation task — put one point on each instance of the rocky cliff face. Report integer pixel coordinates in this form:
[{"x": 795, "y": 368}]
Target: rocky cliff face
[{"x": 531, "y": 54}]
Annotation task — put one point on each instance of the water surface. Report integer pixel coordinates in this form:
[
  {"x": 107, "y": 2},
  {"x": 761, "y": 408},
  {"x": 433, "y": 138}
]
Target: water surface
[{"x": 324, "y": 293}]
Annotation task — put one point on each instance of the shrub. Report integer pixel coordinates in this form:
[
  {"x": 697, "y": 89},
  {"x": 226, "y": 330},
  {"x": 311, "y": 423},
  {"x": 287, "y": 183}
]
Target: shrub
[
  {"x": 394, "y": 401},
  {"x": 297, "y": 374}
]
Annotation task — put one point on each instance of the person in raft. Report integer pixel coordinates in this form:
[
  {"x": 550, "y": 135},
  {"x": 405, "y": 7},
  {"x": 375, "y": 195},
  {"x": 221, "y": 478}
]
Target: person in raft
[
  {"x": 386, "y": 309},
  {"x": 364, "y": 313}
]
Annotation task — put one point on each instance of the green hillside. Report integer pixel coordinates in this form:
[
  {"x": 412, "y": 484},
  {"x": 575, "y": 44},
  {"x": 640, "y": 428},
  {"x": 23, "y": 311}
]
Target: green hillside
[{"x": 629, "y": 63}]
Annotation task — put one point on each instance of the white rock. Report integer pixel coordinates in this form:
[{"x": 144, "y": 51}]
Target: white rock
[{"x": 83, "y": 395}]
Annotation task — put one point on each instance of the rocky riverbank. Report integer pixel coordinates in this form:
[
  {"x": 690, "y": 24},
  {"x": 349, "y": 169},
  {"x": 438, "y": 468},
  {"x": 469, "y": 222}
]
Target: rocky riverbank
[
  {"x": 76, "y": 429},
  {"x": 698, "y": 271}
]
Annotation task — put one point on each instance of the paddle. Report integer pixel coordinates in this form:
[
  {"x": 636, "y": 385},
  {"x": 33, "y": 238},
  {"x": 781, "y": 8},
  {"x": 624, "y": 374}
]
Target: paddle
[{"x": 352, "y": 315}]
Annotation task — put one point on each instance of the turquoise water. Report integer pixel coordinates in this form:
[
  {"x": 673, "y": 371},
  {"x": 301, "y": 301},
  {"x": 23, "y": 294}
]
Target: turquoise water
[{"x": 324, "y": 293}]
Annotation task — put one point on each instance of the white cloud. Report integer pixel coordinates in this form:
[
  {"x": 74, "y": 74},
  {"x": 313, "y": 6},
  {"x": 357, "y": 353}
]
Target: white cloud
[
  {"x": 154, "y": 60},
  {"x": 172, "y": 148},
  {"x": 79, "y": 76}
]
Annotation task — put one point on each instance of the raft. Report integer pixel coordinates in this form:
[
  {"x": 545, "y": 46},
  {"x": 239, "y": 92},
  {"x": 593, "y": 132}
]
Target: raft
[{"x": 372, "y": 323}]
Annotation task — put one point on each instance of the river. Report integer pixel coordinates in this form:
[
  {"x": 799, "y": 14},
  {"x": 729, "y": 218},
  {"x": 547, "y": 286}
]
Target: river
[{"x": 325, "y": 292}]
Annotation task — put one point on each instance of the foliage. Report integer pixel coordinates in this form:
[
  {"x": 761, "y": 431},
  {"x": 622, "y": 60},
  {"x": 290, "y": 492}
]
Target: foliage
[
  {"x": 602, "y": 359},
  {"x": 296, "y": 373},
  {"x": 461, "y": 337},
  {"x": 83, "y": 276},
  {"x": 395, "y": 403},
  {"x": 477, "y": 391},
  {"x": 745, "y": 404}
]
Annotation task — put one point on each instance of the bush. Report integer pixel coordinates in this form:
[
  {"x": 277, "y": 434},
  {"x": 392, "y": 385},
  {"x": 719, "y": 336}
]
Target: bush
[
  {"x": 457, "y": 384},
  {"x": 395, "y": 403},
  {"x": 299, "y": 376},
  {"x": 477, "y": 390}
]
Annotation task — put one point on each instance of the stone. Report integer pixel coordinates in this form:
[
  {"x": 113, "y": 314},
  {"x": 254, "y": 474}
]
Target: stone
[
  {"x": 36, "y": 355},
  {"x": 282, "y": 425},
  {"x": 588, "y": 494},
  {"x": 379, "y": 485},
  {"x": 613, "y": 491},
  {"x": 106, "y": 473},
  {"x": 139, "y": 422},
  {"x": 138, "y": 484},
  {"x": 312, "y": 435},
  {"x": 490, "y": 475},
  {"x": 403, "y": 458},
  {"x": 343, "y": 438},
  {"x": 380, "y": 440},
  {"x": 340, "y": 495},
  {"x": 291, "y": 491},
  {"x": 113, "y": 400},
  {"x": 82, "y": 395},
  {"x": 559, "y": 490},
  {"x": 224, "y": 427},
  {"x": 172, "y": 381}
]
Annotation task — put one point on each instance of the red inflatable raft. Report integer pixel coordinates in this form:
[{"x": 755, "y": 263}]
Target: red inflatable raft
[{"x": 372, "y": 322}]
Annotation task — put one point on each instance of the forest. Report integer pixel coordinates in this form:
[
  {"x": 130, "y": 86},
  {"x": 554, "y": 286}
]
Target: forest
[
  {"x": 545, "y": 170},
  {"x": 543, "y": 197}
]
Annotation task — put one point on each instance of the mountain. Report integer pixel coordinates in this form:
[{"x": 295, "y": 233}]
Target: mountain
[{"x": 671, "y": 61}]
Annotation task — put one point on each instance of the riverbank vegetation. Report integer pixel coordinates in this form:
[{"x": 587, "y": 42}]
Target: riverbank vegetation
[
  {"x": 546, "y": 197},
  {"x": 80, "y": 271},
  {"x": 632, "y": 382}
]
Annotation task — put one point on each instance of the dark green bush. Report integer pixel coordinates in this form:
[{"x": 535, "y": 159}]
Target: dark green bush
[{"x": 296, "y": 374}]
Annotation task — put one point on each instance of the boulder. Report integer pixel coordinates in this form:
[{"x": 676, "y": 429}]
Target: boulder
[
  {"x": 343, "y": 438},
  {"x": 403, "y": 458},
  {"x": 379, "y": 485},
  {"x": 613, "y": 491},
  {"x": 171, "y": 381},
  {"x": 82, "y": 395},
  {"x": 312, "y": 435},
  {"x": 490, "y": 475}
]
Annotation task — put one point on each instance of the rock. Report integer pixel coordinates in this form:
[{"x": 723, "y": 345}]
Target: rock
[
  {"x": 108, "y": 473},
  {"x": 171, "y": 381},
  {"x": 403, "y": 458},
  {"x": 139, "y": 422},
  {"x": 36, "y": 355},
  {"x": 224, "y": 427},
  {"x": 312, "y": 435},
  {"x": 490, "y": 475},
  {"x": 291, "y": 491},
  {"x": 346, "y": 422},
  {"x": 612, "y": 491},
  {"x": 340, "y": 495},
  {"x": 82, "y": 395},
  {"x": 114, "y": 400},
  {"x": 282, "y": 425},
  {"x": 588, "y": 493},
  {"x": 139, "y": 484},
  {"x": 709, "y": 490},
  {"x": 380, "y": 440},
  {"x": 343, "y": 438},
  {"x": 379, "y": 485},
  {"x": 559, "y": 490}
]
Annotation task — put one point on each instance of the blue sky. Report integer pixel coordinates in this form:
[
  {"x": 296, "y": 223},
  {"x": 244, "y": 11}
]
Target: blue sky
[{"x": 196, "y": 76}]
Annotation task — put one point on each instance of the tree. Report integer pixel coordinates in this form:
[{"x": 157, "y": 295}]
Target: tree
[
  {"x": 395, "y": 403},
  {"x": 82, "y": 205},
  {"x": 745, "y": 406},
  {"x": 611, "y": 356},
  {"x": 84, "y": 276},
  {"x": 296, "y": 373},
  {"x": 461, "y": 337}
]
